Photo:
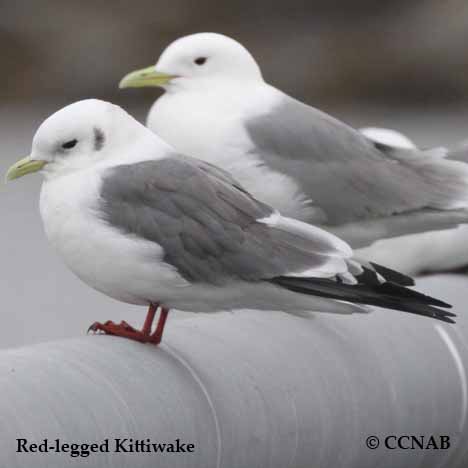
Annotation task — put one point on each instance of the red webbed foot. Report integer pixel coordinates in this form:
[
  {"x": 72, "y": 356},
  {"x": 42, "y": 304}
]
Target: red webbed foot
[
  {"x": 125, "y": 330},
  {"x": 122, "y": 329}
]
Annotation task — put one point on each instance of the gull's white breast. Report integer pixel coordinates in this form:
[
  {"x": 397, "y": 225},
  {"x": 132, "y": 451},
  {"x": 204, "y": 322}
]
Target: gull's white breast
[{"x": 124, "y": 267}]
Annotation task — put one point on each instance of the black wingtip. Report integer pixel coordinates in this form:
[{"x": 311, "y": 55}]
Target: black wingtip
[
  {"x": 444, "y": 317},
  {"x": 393, "y": 275},
  {"x": 397, "y": 290},
  {"x": 387, "y": 295},
  {"x": 449, "y": 314}
]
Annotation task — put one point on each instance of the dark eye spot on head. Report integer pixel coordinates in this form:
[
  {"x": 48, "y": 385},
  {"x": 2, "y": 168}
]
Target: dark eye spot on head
[
  {"x": 200, "y": 60},
  {"x": 99, "y": 139},
  {"x": 69, "y": 144}
]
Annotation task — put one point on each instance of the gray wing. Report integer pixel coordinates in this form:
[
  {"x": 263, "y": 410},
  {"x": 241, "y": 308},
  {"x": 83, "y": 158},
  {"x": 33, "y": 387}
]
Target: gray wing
[
  {"x": 459, "y": 152},
  {"x": 210, "y": 229},
  {"x": 350, "y": 177}
]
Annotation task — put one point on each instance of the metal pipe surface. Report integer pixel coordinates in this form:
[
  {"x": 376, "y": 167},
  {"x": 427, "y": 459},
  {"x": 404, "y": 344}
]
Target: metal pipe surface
[{"x": 248, "y": 390}]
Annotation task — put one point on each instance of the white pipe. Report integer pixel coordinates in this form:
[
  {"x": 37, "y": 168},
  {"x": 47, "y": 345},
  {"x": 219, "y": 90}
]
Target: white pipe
[{"x": 249, "y": 390}]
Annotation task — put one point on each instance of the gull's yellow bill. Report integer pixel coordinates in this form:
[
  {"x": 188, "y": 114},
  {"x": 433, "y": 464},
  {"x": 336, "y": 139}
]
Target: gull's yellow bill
[
  {"x": 144, "y": 78},
  {"x": 23, "y": 167}
]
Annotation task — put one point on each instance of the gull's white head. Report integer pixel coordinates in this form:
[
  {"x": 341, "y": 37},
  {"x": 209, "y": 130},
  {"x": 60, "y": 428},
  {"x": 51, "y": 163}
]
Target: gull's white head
[
  {"x": 195, "y": 61},
  {"x": 78, "y": 136}
]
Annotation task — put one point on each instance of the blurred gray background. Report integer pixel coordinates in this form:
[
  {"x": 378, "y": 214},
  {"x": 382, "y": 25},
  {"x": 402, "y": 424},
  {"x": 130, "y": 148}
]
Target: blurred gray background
[{"x": 398, "y": 63}]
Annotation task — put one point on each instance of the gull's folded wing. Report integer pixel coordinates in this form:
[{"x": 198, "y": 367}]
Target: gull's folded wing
[
  {"x": 210, "y": 229},
  {"x": 353, "y": 179},
  {"x": 459, "y": 152}
]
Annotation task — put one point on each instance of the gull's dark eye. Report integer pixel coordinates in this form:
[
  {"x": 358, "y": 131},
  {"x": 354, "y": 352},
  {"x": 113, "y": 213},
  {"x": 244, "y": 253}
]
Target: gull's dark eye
[
  {"x": 70, "y": 144},
  {"x": 200, "y": 60}
]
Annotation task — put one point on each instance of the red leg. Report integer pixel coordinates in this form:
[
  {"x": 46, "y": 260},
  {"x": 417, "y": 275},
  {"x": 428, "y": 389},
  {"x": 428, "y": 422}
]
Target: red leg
[
  {"x": 156, "y": 337},
  {"x": 125, "y": 330},
  {"x": 146, "y": 330}
]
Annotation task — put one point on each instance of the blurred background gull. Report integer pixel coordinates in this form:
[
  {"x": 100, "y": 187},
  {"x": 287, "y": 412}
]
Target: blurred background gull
[{"x": 401, "y": 64}]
